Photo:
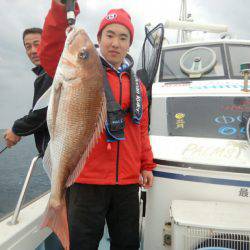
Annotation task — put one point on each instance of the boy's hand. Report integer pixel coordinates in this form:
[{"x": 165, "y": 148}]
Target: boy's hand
[{"x": 146, "y": 179}]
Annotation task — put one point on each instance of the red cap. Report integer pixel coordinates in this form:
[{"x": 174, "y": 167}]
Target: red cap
[{"x": 119, "y": 16}]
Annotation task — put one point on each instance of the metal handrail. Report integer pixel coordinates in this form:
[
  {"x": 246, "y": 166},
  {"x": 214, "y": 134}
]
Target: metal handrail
[
  {"x": 247, "y": 130},
  {"x": 142, "y": 202},
  {"x": 14, "y": 220}
]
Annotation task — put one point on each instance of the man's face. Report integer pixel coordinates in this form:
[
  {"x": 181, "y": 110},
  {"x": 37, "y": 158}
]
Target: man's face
[
  {"x": 114, "y": 43},
  {"x": 31, "y": 42}
]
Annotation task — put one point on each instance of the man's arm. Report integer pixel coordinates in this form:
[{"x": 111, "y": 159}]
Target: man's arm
[
  {"x": 26, "y": 125},
  {"x": 147, "y": 164},
  {"x": 53, "y": 36},
  {"x": 30, "y": 123}
]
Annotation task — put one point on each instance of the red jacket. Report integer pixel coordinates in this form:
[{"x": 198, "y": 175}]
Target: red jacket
[{"x": 122, "y": 163}]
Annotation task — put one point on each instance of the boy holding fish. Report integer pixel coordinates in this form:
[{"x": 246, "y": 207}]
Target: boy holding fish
[{"x": 119, "y": 158}]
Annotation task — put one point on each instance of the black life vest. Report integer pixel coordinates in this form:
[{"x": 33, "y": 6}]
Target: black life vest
[{"x": 115, "y": 123}]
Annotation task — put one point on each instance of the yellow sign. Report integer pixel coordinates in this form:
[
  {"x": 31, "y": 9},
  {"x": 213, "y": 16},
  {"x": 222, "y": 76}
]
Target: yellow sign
[{"x": 180, "y": 120}]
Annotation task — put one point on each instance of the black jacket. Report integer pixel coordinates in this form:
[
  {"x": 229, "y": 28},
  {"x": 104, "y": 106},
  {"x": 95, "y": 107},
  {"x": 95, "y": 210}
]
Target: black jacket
[{"x": 35, "y": 121}]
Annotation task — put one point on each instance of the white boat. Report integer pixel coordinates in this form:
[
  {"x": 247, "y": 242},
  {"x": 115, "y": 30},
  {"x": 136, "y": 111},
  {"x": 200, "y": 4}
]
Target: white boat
[
  {"x": 199, "y": 123},
  {"x": 199, "y": 129}
]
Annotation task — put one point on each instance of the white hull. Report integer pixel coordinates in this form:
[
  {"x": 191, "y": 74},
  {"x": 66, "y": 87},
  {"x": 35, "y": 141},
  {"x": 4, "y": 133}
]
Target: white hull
[
  {"x": 26, "y": 235},
  {"x": 171, "y": 187}
]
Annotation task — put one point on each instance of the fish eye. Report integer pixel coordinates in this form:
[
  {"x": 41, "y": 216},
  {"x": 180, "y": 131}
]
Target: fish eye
[{"x": 84, "y": 54}]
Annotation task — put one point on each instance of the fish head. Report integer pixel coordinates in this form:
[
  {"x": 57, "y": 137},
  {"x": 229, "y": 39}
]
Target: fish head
[{"x": 79, "y": 54}]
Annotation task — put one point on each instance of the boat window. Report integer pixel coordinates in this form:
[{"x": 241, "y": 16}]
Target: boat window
[
  {"x": 237, "y": 54},
  {"x": 175, "y": 61}
]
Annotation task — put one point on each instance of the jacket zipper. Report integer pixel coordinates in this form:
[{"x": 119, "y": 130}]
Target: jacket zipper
[{"x": 118, "y": 143}]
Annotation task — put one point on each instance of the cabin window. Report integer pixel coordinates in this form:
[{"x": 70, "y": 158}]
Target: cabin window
[
  {"x": 170, "y": 68},
  {"x": 237, "y": 54}
]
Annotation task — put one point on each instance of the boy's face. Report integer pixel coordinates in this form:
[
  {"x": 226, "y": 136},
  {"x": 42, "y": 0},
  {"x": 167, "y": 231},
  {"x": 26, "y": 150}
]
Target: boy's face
[
  {"x": 31, "y": 43},
  {"x": 114, "y": 43}
]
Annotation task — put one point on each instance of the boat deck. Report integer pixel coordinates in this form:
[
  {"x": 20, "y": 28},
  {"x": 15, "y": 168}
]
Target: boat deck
[{"x": 53, "y": 243}]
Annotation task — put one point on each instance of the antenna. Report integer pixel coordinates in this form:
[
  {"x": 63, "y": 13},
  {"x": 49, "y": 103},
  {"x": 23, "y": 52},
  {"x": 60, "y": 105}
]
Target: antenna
[
  {"x": 185, "y": 25},
  {"x": 182, "y": 35}
]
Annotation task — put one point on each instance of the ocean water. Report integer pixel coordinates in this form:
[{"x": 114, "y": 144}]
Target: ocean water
[{"x": 14, "y": 165}]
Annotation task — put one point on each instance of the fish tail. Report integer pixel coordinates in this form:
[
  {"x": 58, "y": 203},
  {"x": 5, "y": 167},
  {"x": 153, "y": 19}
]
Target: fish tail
[{"x": 56, "y": 219}]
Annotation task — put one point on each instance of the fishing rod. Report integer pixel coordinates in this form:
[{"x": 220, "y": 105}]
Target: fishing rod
[
  {"x": 1, "y": 151},
  {"x": 70, "y": 8}
]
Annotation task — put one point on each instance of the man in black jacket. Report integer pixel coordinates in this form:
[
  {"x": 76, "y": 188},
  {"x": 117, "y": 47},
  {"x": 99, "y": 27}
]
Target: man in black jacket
[{"x": 35, "y": 121}]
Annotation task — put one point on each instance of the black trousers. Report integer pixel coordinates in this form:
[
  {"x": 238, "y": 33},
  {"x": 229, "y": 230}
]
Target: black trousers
[{"x": 90, "y": 205}]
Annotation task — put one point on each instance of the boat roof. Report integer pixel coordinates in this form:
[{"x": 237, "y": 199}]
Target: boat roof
[{"x": 200, "y": 43}]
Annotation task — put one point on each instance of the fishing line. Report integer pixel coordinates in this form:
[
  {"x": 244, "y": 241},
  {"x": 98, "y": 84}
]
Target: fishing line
[{"x": 1, "y": 151}]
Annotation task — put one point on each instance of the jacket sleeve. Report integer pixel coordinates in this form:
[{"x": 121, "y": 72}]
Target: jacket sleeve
[
  {"x": 146, "y": 151},
  {"x": 30, "y": 123},
  {"x": 53, "y": 37}
]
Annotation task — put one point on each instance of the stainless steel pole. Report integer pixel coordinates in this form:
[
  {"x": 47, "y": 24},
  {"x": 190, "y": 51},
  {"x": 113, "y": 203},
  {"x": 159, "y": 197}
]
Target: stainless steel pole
[{"x": 14, "y": 219}]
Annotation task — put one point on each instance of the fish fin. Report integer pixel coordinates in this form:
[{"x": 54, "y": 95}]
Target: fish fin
[
  {"x": 98, "y": 130},
  {"x": 53, "y": 107},
  {"x": 43, "y": 101},
  {"x": 51, "y": 121},
  {"x": 47, "y": 164},
  {"x": 55, "y": 217}
]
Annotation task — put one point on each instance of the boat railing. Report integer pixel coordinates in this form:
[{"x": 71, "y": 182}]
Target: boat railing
[{"x": 14, "y": 219}]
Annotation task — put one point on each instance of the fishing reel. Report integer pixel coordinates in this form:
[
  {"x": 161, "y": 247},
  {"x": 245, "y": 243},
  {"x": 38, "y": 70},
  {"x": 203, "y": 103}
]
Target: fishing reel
[{"x": 70, "y": 8}]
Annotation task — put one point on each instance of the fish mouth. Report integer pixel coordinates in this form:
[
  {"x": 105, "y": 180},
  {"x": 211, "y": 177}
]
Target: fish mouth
[
  {"x": 71, "y": 66},
  {"x": 75, "y": 32},
  {"x": 68, "y": 78},
  {"x": 68, "y": 62}
]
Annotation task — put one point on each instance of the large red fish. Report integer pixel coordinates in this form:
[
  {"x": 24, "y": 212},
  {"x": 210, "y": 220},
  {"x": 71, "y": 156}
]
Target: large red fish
[{"x": 76, "y": 116}]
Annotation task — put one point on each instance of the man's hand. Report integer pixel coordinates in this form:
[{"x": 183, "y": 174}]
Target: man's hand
[
  {"x": 11, "y": 138},
  {"x": 146, "y": 179}
]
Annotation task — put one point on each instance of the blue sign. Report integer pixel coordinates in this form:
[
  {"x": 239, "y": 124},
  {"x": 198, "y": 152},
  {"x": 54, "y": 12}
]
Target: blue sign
[{"x": 227, "y": 130}]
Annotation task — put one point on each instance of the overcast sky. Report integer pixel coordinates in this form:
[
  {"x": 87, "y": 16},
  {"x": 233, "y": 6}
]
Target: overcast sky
[{"x": 16, "y": 80}]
